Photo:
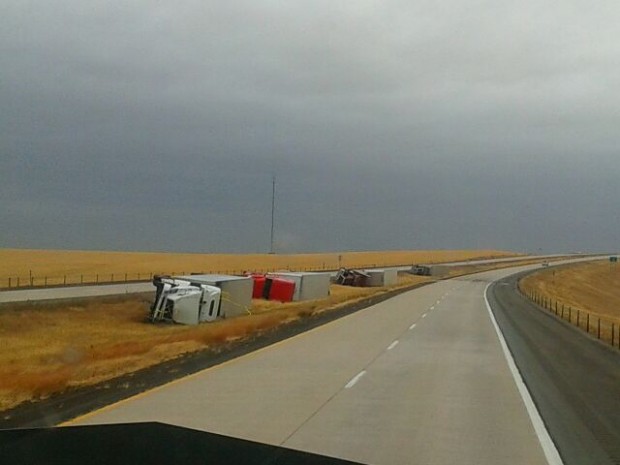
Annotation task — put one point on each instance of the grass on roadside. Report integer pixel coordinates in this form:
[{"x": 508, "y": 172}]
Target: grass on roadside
[{"x": 585, "y": 294}]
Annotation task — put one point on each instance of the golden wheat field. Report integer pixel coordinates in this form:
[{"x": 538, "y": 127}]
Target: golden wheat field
[{"x": 40, "y": 267}]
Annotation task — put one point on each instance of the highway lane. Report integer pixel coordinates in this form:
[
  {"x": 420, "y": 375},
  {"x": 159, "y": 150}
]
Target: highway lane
[
  {"x": 574, "y": 379},
  {"x": 420, "y": 378}
]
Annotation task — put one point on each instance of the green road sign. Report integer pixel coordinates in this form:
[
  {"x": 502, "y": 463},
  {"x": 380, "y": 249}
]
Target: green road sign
[{"x": 613, "y": 259}]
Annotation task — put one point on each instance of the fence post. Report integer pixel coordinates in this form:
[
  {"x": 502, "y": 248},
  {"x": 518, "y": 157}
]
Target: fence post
[
  {"x": 46, "y": 280},
  {"x": 569, "y": 314},
  {"x": 613, "y": 335},
  {"x": 97, "y": 278},
  {"x": 598, "y": 331},
  {"x": 578, "y": 318},
  {"x": 556, "y": 307},
  {"x": 81, "y": 279},
  {"x": 9, "y": 282},
  {"x": 18, "y": 281},
  {"x": 64, "y": 280},
  {"x": 588, "y": 322},
  {"x": 112, "y": 277}
]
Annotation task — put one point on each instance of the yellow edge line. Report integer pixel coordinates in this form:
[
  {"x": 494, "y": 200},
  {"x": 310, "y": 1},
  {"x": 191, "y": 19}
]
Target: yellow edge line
[{"x": 193, "y": 375}]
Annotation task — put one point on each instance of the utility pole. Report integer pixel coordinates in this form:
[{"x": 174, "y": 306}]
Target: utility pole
[{"x": 273, "y": 207}]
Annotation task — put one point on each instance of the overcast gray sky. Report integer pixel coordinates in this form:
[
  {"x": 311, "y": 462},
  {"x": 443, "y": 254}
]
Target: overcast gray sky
[{"x": 150, "y": 125}]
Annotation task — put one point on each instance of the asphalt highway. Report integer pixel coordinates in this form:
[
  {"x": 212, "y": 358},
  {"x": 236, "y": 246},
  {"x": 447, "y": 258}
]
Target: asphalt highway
[
  {"x": 574, "y": 379},
  {"x": 422, "y": 378}
]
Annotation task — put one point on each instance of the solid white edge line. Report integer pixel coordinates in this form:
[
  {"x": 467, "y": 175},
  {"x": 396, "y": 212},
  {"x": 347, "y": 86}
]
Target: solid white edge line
[
  {"x": 392, "y": 345},
  {"x": 551, "y": 452},
  {"x": 412, "y": 326},
  {"x": 355, "y": 379}
]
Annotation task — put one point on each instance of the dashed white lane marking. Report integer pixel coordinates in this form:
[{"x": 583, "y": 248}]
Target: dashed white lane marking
[
  {"x": 355, "y": 379},
  {"x": 412, "y": 326},
  {"x": 432, "y": 308},
  {"x": 392, "y": 345},
  {"x": 424, "y": 316},
  {"x": 551, "y": 453}
]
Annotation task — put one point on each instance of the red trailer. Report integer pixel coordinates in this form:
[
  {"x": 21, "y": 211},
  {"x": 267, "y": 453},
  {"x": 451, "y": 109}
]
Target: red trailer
[
  {"x": 280, "y": 289},
  {"x": 259, "y": 285}
]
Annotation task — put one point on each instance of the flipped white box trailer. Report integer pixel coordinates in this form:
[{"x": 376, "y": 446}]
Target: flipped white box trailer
[
  {"x": 236, "y": 297},
  {"x": 308, "y": 285},
  {"x": 382, "y": 277}
]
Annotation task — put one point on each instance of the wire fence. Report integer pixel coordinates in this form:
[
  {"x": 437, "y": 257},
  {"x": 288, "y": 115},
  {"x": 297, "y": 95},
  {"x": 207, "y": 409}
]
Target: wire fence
[
  {"x": 57, "y": 280},
  {"x": 604, "y": 329}
]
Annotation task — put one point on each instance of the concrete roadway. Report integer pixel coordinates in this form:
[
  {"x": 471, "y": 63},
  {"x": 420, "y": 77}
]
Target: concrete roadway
[{"x": 418, "y": 379}]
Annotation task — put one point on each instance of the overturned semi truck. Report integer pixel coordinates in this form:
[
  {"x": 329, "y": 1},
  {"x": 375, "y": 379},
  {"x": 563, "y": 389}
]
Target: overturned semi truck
[{"x": 185, "y": 302}]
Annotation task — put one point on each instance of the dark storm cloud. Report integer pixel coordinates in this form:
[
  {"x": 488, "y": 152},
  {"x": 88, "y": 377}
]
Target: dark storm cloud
[{"x": 147, "y": 125}]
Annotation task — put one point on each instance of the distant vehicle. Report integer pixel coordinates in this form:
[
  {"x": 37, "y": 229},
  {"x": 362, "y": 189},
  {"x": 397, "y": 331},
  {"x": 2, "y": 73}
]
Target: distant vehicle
[{"x": 184, "y": 302}]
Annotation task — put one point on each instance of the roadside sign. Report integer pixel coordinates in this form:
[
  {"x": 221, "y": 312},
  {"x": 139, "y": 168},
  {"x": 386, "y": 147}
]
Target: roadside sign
[{"x": 613, "y": 259}]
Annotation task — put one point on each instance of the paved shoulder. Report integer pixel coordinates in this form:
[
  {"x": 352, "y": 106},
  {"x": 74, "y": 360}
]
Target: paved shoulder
[{"x": 573, "y": 379}]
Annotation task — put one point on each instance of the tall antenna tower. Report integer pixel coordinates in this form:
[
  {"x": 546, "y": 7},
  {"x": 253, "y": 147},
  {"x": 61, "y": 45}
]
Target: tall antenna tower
[{"x": 273, "y": 208}]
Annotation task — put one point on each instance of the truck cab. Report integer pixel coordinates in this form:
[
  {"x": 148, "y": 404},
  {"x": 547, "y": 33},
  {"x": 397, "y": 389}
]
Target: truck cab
[{"x": 184, "y": 302}]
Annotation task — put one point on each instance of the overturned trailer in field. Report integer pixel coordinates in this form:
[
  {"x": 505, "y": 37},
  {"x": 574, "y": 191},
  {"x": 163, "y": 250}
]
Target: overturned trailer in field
[
  {"x": 197, "y": 299},
  {"x": 308, "y": 285},
  {"x": 272, "y": 287},
  {"x": 429, "y": 270},
  {"x": 349, "y": 277},
  {"x": 382, "y": 277},
  {"x": 236, "y": 296}
]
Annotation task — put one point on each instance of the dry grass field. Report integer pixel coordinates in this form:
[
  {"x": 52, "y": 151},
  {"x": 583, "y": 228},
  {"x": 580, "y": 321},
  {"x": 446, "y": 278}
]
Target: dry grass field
[
  {"x": 72, "y": 267},
  {"x": 47, "y": 348},
  {"x": 592, "y": 287}
]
